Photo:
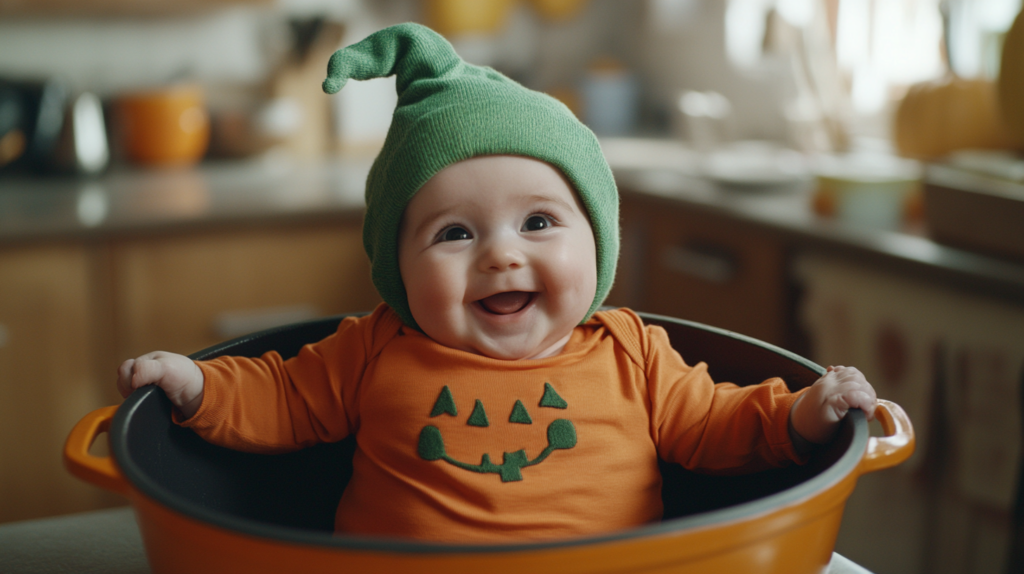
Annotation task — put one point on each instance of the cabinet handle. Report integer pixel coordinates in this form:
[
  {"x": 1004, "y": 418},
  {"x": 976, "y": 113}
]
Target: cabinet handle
[
  {"x": 231, "y": 324},
  {"x": 5, "y": 335},
  {"x": 711, "y": 263}
]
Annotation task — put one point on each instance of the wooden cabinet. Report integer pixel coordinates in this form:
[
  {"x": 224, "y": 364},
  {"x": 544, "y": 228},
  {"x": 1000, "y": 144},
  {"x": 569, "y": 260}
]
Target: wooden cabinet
[
  {"x": 182, "y": 293},
  {"x": 47, "y": 377},
  {"x": 704, "y": 267},
  {"x": 71, "y": 312}
]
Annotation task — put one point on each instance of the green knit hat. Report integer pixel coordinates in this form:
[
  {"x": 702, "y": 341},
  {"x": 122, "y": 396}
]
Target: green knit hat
[{"x": 449, "y": 111}]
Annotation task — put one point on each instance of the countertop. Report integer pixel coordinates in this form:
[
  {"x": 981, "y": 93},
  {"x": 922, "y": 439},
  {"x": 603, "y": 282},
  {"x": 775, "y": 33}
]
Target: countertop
[
  {"x": 131, "y": 200},
  {"x": 666, "y": 171},
  {"x": 277, "y": 190},
  {"x": 108, "y": 542}
]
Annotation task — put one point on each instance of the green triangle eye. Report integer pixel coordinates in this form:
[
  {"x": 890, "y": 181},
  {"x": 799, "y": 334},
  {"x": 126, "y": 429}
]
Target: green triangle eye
[
  {"x": 520, "y": 415},
  {"x": 445, "y": 404},
  {"x": 551, "y": 398},
  {"x": 479, "y": 416}
]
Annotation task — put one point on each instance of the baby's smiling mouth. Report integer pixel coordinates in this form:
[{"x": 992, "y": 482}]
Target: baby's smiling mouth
[{"x": 506, "y": 303}]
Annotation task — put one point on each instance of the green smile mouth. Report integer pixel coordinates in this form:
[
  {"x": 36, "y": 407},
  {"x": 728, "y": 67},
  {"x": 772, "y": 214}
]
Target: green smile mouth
[{"x": 561, "y": 435}]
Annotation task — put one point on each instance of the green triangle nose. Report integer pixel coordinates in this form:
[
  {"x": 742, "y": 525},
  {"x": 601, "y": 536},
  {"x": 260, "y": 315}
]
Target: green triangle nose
[{"x": 479, "y": 416}]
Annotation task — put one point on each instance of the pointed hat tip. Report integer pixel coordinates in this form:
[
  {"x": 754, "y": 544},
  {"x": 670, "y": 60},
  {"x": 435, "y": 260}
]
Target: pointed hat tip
[{"x": 333, "y": 85}]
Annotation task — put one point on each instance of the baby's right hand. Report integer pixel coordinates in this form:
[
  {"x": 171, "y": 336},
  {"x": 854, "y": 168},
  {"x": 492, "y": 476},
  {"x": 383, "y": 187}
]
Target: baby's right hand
[{"x": 177, "y": 375}]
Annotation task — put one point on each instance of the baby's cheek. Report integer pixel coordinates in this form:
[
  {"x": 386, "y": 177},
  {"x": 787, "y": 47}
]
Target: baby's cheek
[
  {"x": 581, "y": 287},
  {"x": 424, "y": 293},
  {"x": 428, "y": 302}
]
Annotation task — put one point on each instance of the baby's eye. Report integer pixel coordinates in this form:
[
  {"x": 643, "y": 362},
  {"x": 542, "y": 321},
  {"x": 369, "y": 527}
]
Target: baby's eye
[
  {"x": 537, "y": 223},
  {"x": 455, "y": 233}
]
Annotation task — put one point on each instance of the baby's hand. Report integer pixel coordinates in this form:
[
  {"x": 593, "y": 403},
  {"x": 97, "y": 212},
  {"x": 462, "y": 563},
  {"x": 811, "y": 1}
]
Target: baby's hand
[
  {"x": 816, "y": 414},
  {"x": 177, "y": 375}
]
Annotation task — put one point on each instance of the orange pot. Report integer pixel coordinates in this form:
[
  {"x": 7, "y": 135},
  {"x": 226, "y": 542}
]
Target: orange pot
[
  {"x": 166, "y": 127},
  {"x": 205, "y": 509}
]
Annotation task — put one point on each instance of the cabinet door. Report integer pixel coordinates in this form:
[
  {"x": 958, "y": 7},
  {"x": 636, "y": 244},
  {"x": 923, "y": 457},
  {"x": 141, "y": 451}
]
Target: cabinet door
[
  {"x": 184, "y": 293},
  {"x": 630, "y": 275},
  {"x": 715, "y": 271},
  {"x": 46, "y": 378}
]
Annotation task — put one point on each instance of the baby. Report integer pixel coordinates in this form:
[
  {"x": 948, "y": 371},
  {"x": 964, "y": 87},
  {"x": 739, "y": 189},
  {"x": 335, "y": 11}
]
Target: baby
[{"x": 492, "y": 401}]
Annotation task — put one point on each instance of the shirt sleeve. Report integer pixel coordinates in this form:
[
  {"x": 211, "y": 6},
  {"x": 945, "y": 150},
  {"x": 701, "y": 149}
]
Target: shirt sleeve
[
  {"x": 271, "y": 405},
  {"x": 716, "y": 428}
]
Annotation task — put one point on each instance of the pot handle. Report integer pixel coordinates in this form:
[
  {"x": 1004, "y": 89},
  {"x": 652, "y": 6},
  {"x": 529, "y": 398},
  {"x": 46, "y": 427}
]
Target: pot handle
[
  {"x": 898, "y": 443},
  {"x": 99, "y": 470}
]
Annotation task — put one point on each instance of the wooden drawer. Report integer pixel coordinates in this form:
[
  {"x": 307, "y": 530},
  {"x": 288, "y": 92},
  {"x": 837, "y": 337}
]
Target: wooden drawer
[
  {"x": 185, "y": 293},
  {"x": 717, "y": 272}
]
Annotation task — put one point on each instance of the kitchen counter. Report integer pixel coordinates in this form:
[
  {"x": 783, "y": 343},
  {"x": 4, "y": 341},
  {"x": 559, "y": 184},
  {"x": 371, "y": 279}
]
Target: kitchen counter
[
  {"x": 108, "y": 542},
  {"x": 260, "y": 191},
  {"x": 212, "y": 194},
  {"x": 664, "y": 171}
]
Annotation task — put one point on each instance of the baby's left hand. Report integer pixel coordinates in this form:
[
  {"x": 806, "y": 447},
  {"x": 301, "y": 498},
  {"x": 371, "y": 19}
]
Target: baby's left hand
[{"x": 816, "y": 414}]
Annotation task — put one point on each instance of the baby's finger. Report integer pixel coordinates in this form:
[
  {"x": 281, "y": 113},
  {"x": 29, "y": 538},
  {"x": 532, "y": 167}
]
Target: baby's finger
[
  {"x": 851, "y": 373},
  {"x": 856, "y": 384},
  {"x": 124, "y": 378},
  {"x": 834, "y": 408},
  {"x": 848, "y": 383},
  {"x": 864, "y": 401},
  {"x": 145, "y": 371}
]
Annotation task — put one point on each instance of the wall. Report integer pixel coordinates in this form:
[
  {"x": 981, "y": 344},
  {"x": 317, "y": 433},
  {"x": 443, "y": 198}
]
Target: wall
[{"x": 671, "y": 45}]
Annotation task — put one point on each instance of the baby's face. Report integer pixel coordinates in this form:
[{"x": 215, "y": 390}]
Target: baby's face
[{"x": 498, "y": 258}]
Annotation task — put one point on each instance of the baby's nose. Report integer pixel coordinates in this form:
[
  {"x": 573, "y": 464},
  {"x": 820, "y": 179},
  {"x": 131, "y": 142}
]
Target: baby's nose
[{"x": 500, "y": 254}]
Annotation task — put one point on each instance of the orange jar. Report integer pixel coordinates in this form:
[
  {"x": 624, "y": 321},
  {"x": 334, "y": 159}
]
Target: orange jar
[{"x": 164, "y": 127}]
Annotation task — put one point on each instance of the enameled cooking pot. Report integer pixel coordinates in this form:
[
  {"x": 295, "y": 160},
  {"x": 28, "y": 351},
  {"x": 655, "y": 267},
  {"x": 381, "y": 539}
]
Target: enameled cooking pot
[{"x": 202, "y": 508}]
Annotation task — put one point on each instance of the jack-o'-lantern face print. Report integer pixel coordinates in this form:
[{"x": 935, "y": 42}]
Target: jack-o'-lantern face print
[{"x": 561, "y": 434}]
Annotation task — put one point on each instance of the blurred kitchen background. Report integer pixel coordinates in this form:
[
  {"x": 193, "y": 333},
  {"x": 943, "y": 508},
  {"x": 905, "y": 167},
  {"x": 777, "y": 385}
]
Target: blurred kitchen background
[{"x": 842, "y": 178}]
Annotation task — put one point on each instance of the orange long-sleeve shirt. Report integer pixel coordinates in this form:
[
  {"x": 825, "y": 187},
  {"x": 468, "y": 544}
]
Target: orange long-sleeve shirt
[{"x": 459, "y": 447}]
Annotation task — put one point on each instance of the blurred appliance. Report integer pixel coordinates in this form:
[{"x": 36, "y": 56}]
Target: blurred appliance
[
  {"x": 610, "y": 94},
  {"x": 301, "y": 116},
  {"x": 87, "y": 145},
  {"x": 703, "y": 118},
  {"x": 45, "y": 129},
  {"x": 31, "y": 118}
]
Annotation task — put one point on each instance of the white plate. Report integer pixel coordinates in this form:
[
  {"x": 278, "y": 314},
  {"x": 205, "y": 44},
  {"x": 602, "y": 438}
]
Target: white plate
[{"x": 756, "y": 164}]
